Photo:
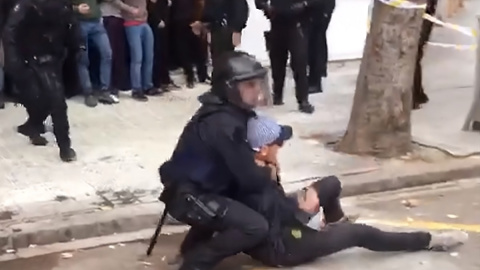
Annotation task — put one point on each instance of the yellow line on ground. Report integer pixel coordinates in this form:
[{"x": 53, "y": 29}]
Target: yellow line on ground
[{"x": 428, "y": 225}]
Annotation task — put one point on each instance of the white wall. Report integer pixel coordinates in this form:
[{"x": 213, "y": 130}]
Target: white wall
[{"x": 346, "y": 34}]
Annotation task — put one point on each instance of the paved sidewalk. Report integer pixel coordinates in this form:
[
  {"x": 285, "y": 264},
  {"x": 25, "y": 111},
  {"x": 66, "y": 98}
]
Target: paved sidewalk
[{"x": 120, "y": 148}]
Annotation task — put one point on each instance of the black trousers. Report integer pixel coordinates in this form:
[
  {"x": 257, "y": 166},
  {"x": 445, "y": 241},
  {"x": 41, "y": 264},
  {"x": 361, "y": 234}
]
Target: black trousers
[
  {"x": 221, "y": 42},
  {"x": 303, "y": 244},
  {"x": 285, "y": 38},
  {"x": 161, "y": 73},
  {"x": 42, "y": 93},
  {"x": 238, "y": 228},
  {"x": 318, "y": 48},
  {"x": 191, "y": 51}
]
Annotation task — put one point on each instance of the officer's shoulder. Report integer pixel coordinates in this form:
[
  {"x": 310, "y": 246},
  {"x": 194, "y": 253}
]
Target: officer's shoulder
[{"x": 224, "y": 124}]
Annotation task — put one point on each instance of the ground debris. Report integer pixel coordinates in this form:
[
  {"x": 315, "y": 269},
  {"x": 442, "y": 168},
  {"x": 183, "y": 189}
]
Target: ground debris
[
  {"x": 410, "y": 203},
  {"x": 67, "y": 255}
]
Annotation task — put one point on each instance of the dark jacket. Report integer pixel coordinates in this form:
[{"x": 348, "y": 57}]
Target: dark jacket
[
  {"x": 50, "y": 25},
  {"x": 234, "y": 13},
  {"x": 213, "y": 154},
  {"x": 284, "y": 11},
  {"x": 184, "y": 11},
  {"x": 158, "y": 12}
]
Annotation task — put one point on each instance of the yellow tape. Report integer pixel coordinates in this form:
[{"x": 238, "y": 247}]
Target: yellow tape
[
  {"x": 462, "y": 29},
  {"x": 426, "y": 225},
  {"x": 453, "y": 46},
  {"x": 403, "y": 4}
]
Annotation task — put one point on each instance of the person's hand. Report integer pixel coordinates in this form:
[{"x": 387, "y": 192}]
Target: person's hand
[
  {"x": 161, "y": 24},
  {"x": 309, "y": 201},
  {"x": 196, "y": 27},
  {"x": 209, "y": 38},
  {"x": 236, "y": 39},
  {"x": 135, "y": 11},
  {"x": 84, "y": 9}
]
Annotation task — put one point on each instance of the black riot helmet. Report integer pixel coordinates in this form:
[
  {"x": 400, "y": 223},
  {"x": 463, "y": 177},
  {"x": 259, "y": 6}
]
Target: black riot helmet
[{"x": 238, "y": 78}]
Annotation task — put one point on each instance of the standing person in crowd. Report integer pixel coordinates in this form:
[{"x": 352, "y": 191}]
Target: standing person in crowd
[
  {"x": 90, "y": 16},
  {"x": 289, "y": 25},
  {"x": 189, "y": 45},
  {"x": 140, "y": 40},
  {"x": 113, "y": 23},
  {"x": 37, "y": 70},
  {"x": 419, "y": 96},
  {"x": 2, "y": 77},
  {"x": 159, "y": 21},
  {"x": 321, "y": 16},
  {"x": 225, "y": 21}
]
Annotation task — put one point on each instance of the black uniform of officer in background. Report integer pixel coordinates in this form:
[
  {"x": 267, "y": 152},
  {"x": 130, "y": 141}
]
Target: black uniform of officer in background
[
  {"x": 36, "y": 38},
  {"x": 317, "y": 44},
  {"x": 289, "y": 21},
  {"x": 188, "y": 44},
  {"x": 212, "y": 162},
  {"x": 225, "y": 18}
]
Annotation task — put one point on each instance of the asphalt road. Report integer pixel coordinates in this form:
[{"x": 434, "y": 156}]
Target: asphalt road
[{"x": 453, "y": 205}]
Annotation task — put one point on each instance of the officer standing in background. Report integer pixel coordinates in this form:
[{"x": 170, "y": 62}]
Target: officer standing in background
[
  {"x": 317, "y": 44},
  {"x": 289, "y": 34},
  {"x": 225, "y": 20},
  {"x": 213, "y": 161}
]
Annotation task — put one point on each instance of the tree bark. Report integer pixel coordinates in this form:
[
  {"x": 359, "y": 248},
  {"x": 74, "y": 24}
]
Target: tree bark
[{"x": 380, "y": 118}]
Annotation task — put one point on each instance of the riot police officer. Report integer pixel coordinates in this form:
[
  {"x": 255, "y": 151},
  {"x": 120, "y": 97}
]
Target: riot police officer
[
  {"x": 317, "y": 44},
  {"x": 36, "y": 70},
  {"x": 213, "y": 161},
  {"x": 289, "y": 34}
]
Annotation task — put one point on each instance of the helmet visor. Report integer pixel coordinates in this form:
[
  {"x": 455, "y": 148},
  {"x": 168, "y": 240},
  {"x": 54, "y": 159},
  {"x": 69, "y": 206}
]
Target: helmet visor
[{"x": 254, "y": 92}]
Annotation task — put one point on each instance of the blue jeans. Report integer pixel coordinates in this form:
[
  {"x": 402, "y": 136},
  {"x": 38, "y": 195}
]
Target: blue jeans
[
  {"x": 140, "y": 41},
  {"x": 2, "y": 77},
  {"x": 95, "y": 32}
]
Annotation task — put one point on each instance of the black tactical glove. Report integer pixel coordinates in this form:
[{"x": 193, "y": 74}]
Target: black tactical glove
[{"x": 268, "y": 11}]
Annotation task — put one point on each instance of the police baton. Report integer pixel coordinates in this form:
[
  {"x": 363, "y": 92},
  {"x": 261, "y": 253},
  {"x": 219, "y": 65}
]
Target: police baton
[{"x": 153, "y": 241}]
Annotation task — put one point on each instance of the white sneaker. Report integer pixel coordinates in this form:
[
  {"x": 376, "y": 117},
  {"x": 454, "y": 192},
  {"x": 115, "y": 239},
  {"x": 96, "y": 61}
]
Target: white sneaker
[{"x": 444, "y": 241}]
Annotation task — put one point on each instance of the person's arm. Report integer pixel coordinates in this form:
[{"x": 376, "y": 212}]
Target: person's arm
[
  {"x": 11, "y": 29},
  {"x": 240, "y": 12},
  {"x": 153, "y": 13},
  {"x": 74, "y": 41},
  {"x": 238, "y": 157},
  {"x": 121, "y": 5}
]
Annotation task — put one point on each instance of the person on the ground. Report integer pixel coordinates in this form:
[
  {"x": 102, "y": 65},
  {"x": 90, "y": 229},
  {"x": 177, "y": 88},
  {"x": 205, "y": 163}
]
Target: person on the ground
[
  {"x": 419, "y": 96},
  {"x": 318, "y": 45},
  {"x": 90, "y": 19},
  {"x": 183, "y": 14},
  {"x": 289, "y": 21},
  {"x": 141, "y": 42},
  {"x": 159, "y": 21},
  {"x": 213, "y": 161},
  {"x": 225, "y": 21},
  {"x": 37, "y": 70}
]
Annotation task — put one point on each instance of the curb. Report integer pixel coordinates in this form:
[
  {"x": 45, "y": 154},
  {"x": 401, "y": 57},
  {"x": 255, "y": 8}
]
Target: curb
[{"x": 139, "y": 217}]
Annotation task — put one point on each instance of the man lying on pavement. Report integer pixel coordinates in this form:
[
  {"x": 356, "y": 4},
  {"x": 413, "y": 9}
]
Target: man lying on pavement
[{"x": 290, "y": 241}]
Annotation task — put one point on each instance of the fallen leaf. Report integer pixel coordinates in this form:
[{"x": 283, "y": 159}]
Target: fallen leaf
[
  {"x": 121, "y": 244},
  {"x": 32, "y": 246},
  {"x": 67, "y": 255},
  {"x": 105, "y": 208},
  {"x": 452, "y": 216},
  {"x": 10, "y": 251},
  {"x": 111, "y": 247},
  {"x": 410, "y": 203},
  {"x": 454, "y": 254},
  {"x": 146, "y": 263}
]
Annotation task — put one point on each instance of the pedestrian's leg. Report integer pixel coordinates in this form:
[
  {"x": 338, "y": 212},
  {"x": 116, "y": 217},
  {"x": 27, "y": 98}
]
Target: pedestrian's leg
[
  {"x": 2, "y": 80},
  {"x": 298, "y": 47},
  {"x": 83, "y": 64},
  {"x": 136, "y": 59},
  {"x": 195, "y": 236},
  {"x": 182, "y": 43},
  {"x": 100, "y": 39},
  {"x": 342, "y": 236},
  {"x": 278, "y": 61},
  {"x": 157, "y": 57},
  {"x": 116, "y": 35},
  {"x": 314, "y": 51},
  {"x": 200, "y": 54},
  {"x": 147, "y": 64},
  {"x": 419, "y": 96}
]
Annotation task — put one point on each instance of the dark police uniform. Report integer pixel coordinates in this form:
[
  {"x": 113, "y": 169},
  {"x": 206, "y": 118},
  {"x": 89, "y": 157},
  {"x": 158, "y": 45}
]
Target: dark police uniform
[
  {"x": 211, "y": 162},
  {"x": 289, "y": 34},
  {"x": 36, "y": 37},
  {"x": 317, "y": 44},
  {"x": 224, "y": 18}
]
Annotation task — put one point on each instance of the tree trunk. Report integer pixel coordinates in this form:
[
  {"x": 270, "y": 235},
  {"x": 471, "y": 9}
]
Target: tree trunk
[{"x": 380, "y": 118}]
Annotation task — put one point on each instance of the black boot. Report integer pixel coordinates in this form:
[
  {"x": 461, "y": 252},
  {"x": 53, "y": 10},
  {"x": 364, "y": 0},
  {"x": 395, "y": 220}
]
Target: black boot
[
  {"x": 315, "y": 88},
  {"x": 68, "y": 154},
  {"x": 190, "y": 82},
  {"x": 306, "y": 107},
  {"x": 33, "y": 134}
]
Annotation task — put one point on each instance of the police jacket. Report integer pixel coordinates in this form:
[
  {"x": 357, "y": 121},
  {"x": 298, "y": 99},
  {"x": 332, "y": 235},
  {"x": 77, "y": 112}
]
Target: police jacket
[
  {"x": 286, "y": 10},
  {"x": 233, "y": 14},
  {"x": 213, "y": 154},
  {"x": 49, "y": 25}
]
